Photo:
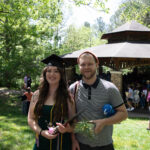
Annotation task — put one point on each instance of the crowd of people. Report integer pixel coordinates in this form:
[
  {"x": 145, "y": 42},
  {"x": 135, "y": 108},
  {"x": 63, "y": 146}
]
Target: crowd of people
[
  {"x": 138, "y": 97},
  {"x": 136, "y": 91}
]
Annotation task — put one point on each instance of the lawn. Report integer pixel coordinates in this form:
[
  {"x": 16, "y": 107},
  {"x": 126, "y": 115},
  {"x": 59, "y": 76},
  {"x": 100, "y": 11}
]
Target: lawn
[
  {"x": 131, "y": 134},
  {"x": 16, "y": 135}
]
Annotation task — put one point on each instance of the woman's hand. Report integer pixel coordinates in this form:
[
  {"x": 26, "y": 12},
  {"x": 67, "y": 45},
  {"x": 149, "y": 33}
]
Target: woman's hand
[
  {"x": 64, "y": 129},
  {"x": 47, "y": 135}
]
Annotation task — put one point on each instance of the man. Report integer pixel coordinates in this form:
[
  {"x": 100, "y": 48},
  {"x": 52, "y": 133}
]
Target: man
[
  {"x": 26, "y": 100},
  {"x": 92, "y": 94}
]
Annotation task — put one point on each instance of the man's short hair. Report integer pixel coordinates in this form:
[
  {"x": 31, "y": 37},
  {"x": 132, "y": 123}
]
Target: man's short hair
[{"x": 87, "y": 52}]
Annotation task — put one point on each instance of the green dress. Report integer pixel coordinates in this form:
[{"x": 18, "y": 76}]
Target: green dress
[{"x": 44, "y": 144}]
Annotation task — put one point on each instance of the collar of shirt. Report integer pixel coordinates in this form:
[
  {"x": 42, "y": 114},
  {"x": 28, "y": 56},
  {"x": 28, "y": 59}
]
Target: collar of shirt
[{"x": 94, "y": 85}]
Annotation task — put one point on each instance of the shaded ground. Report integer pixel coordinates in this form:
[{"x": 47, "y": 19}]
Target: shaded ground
[{"x": 138, "y": 113}]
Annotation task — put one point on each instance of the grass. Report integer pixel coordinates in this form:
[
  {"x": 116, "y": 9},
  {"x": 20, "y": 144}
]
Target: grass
[
  {"x": 15, "y": 133},
  {"x": 131, "y": 134}
]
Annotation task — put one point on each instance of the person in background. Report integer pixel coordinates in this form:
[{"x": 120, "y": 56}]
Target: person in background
[
  {"x": 148, "y": 99},
  {"x": 29, "y": 81},
  {"x": 130, "y": 98},
  {"x": 28, "y": 95},
  {"x": 148, "y": 125},
  {"x": 108, "y": 76},
  {"x": 51, "y": 105},
  {"x": 93, "y": 93},
  {"x": 26, "y": 98},
  {"x": 136, "y": 98},
  {"x": 143, "y": 95},
  {"x": 25, "y": 81}
]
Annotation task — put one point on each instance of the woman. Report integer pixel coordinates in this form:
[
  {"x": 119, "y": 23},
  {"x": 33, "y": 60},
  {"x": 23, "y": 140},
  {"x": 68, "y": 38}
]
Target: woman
[{"x": 50, "y": 104}]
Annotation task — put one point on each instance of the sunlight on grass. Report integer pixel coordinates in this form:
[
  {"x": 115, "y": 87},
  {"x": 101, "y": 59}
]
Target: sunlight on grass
[
  {"x": 131, "y": 135},
  {"x": 16, "y": 136}
]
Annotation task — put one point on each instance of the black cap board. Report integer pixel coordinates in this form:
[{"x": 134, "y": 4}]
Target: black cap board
[{"x": 54, "y": 60}]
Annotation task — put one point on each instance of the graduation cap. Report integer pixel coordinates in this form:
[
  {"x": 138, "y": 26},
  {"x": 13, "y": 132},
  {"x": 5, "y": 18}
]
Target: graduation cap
[{"x": 54, "y": 60}]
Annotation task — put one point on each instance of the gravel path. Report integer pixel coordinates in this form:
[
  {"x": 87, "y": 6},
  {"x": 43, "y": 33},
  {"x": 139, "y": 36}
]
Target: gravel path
[{"x": 4, "y": 91}]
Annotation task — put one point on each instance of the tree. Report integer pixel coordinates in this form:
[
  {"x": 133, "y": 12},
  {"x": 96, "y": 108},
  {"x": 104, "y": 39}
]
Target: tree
[
  {"x": 115, "y": 21},
  {"x": 96, "y": 4},
  {"x": 80, "y": 38},
  {"x": 87, "y": 24},
  {"x": 26, "y": 29},
  {"x": 99, "y": 26},
  {"x": 132, "y": 10},
  {"x": 135, "y": 10}
]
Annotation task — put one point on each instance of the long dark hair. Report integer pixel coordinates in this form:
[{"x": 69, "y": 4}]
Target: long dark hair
[{"x": 61, "y": 97}]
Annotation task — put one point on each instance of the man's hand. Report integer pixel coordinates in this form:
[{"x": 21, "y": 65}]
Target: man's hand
[
  {"x": 99, "y": 125},
  {"x": 63, "y": 129}
]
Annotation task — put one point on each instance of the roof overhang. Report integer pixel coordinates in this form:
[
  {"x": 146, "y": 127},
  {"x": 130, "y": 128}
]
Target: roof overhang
[{"x": 116, "y": 54}]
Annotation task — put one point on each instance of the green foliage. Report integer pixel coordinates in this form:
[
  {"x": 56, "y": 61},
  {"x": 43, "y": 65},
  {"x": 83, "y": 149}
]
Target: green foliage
[
  {"x": 29, "y": 31},
  {"x": 87, "y": 24},
  {"x": 100, "y": 24},
  {"x": 85, "y": 128},
  {"x": 115, "y": 21},
  {"x": 131, "y": 10},
  {"x": 80, "y": 38},
  {"x": 134, "y": 10},
  {"x": 97, "y": 4}
]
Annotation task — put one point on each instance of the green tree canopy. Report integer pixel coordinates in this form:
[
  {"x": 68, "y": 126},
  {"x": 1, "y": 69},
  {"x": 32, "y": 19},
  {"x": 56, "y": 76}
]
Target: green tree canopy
[
  {"x": 132, "y": 10},
  {"x": 26, "y": 31},
  {"x": 80, "y": 38},
  {"x": 30, "y": 31}
]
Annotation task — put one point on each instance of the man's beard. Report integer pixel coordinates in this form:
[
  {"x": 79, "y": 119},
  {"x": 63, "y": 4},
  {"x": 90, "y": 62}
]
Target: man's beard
[{"x": 89, "y": 77}]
